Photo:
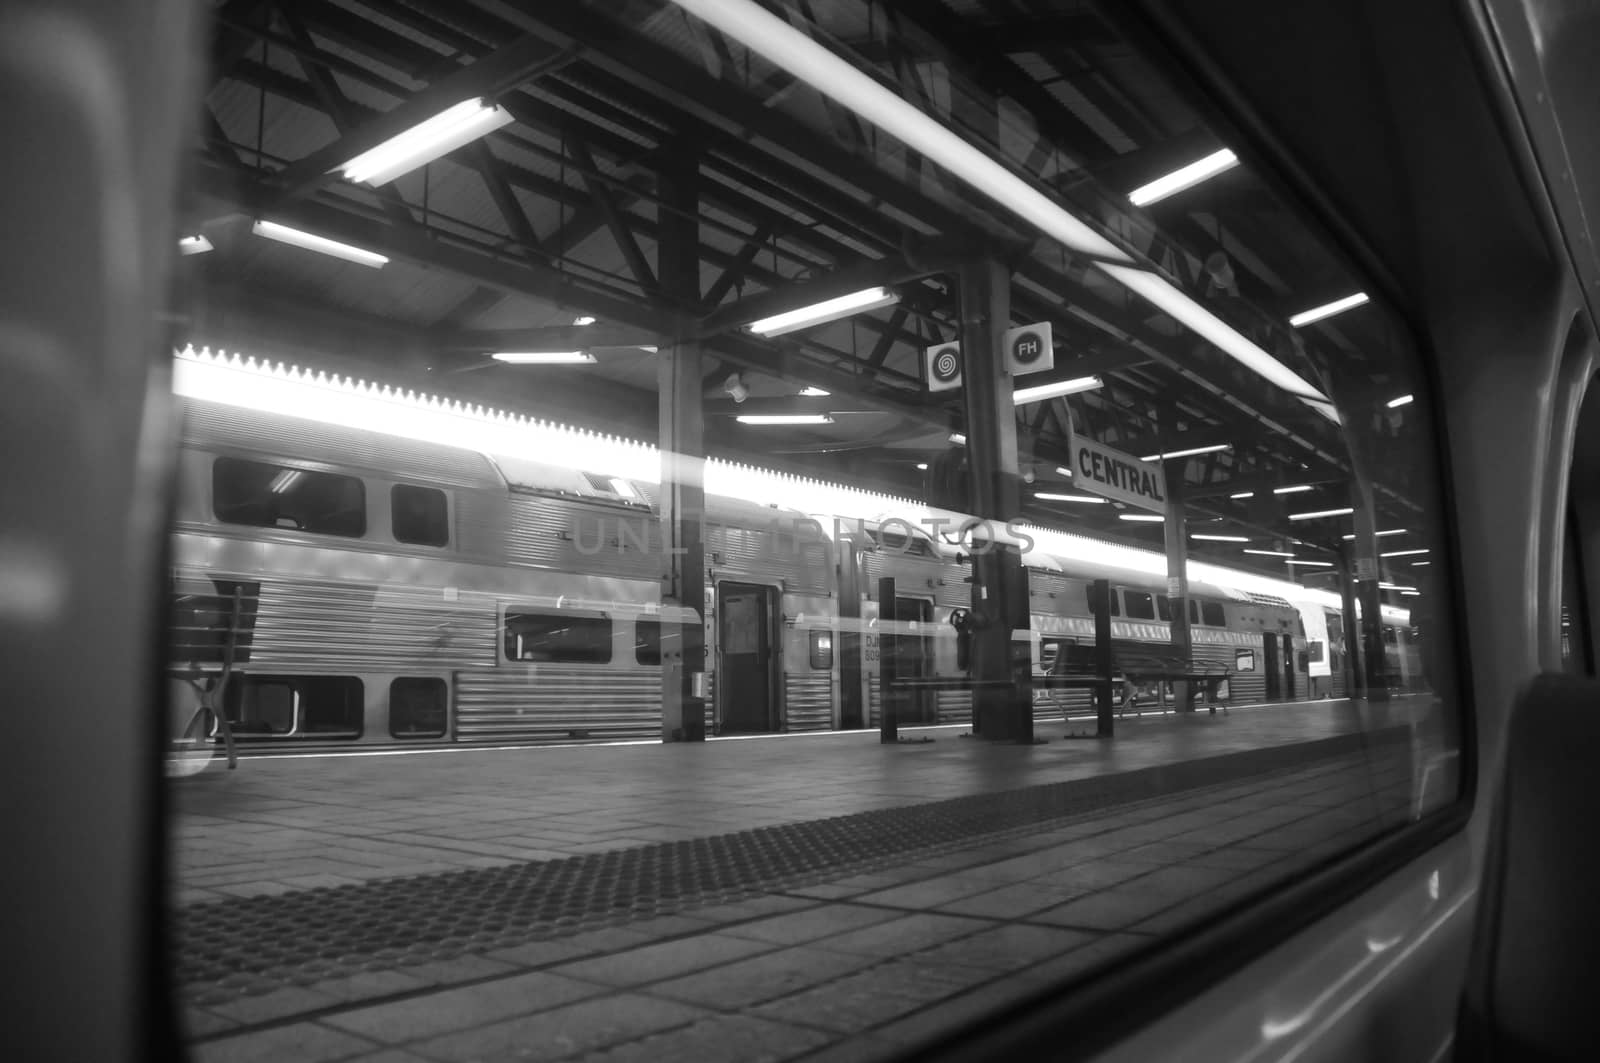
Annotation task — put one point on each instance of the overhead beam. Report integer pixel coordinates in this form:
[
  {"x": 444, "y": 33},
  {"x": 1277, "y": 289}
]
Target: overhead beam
[
  {"x": 736, "y": 270},
  {"x": 615, "y": 219}
]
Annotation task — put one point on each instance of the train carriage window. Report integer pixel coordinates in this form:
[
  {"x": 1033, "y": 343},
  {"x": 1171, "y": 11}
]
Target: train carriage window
[
  {"x": 265, "y": 495},
  {"x": 420, "y": 515},
  {"x": 558, "y": 637},
  {"x": 314, "y": 706},
  {"x": 1211, "y": 614},
  {"x": 1140, "y": 605},
  {"x": 418, "y": 707},
  {"x": 1194, "y": 613},
  {"x": 647, "y": 641},
  {"x": 1095, "y": 602},
  {"x": 1164, "y": 608}
]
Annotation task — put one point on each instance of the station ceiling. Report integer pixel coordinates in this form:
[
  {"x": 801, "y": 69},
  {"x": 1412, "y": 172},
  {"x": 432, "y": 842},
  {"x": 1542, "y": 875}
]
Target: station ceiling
[{"x": 625, "y": 112}]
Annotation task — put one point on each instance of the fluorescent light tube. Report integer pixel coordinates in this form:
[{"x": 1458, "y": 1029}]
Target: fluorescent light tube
[
  {"x": 1338, "y": 306},
  {"x": 1394, "y": 587},
  {"x": 195, "y": 245},
  {"x": 784, "y": 418},
  {"x": 823, "y": 312},
  {"x": 1313, "y": 564},
  {"x": 1295, "y": 489},
  {"x": 1191, "y": 452},
  {"x": 1321, "y": 513},
  {"x": 1056, "y": 390},
  {"x": 1420, "y": 564},
  {"x": 583, "y": 319},
  {"x": 922, "y": 466},
  {"x": 1270, "y": 553},
  {"x": 1047, "y": 496},
  {"x": 1183, "y": 178},
  {"x": 958, "y": 439},
  {"x": 1244, "y": 494},
  {"x": 831, "y": 75},
  {"x": 1411, "y": 594},
  {"x": 1062, "y": 470},
  {"x": 812, "y": 392},
  {"x": 544, "y": 357},
  {"x": 1404, "y": 553},
  {"x": 312, "y": 242},
  {"x": 1143, "y": 518},
  {"x": 1379, "y": 535},
  {"x": 284, "y": 480},
  {"x": 1222, "y": 538},
  {"x": 426, "y": 141},
  {"x": 1403, "y": 400}
]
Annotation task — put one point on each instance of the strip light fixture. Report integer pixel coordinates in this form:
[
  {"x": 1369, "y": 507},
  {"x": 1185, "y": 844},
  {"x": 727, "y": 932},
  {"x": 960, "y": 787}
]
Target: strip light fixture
[
  {"x": 958, "y": 439},
  {"x": 1381, "y": 534},
  {"x": 784, "y": 418},
  {"x": 812, "y": 392},
  {"x": 426, "y": 141},
  {"x": 1403, "y": 400},
  {"x": 1184, "y": 177},
  {"x": 312, "y": 242},
  {"x": 1244, "y": 494},
  {"x": 829, "y": 74},
  {"x": 823, "y": 312},
  {"x": 1222, "y": 538},
  {"x": 1062, "y": 470},
  {"x": 1090, "y": 500},
  {"x": 1321, "y": 513},
  {"x": 1326, "y": 310},
  {"x": 1023, "y": 396},
  {"x": 1404, "y": 553},
  {"x": 1143, "y": 518},
  {"x": 1291, "y": 490},
  {"x": 1309, "y": 564},
  {"x": 1191, "y": 452},
  {"x": 1270, "y": 553},
  {"x": 544, "y": 357},
  {"x": 194, "y": 245}
]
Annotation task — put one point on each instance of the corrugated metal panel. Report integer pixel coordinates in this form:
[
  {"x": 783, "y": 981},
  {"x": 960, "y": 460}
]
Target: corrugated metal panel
[
  {"x": 801, "y": 564},
  {"x": 213, "y": 425},
  {"x": 954, "y": 706},
  {"x": 558, "y": 704},
  {"x": 568, "y": 536},
  {"x": 920, "y": 577},
  {"x": 317, "y": 626},
  {"x": 808, "y": 701}
]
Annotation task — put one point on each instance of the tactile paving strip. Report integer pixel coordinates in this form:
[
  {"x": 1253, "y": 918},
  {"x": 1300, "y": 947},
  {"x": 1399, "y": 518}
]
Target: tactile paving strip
[{"x": 228, "y": 949}]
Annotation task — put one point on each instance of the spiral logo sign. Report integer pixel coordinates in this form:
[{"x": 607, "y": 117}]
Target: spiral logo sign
[{"x": 944, "y": 367}]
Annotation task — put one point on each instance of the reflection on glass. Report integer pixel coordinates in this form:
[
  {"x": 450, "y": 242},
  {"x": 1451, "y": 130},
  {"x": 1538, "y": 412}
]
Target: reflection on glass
[{"x": 710, "y": 398}]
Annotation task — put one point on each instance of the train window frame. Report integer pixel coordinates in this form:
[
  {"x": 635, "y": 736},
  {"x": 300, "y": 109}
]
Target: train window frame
[
  {"x": 820, "y": 645},
  {"x": 1143, "y": 599},
  {"x": 441, "y": 539},
  {"x": 564, "y": 656},
  {"x": 433, "y": 683},
  {"x": 303, "y": 685},
  {"x": 290, "y": 475}
]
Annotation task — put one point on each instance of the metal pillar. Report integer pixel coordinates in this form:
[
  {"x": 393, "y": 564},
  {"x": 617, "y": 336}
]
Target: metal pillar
[
  {"x": 682, "y": 429},
  {"x": 1367, "y": 575},
  {"x": 888, "y": 662},
  {"x": 1355, "y": 676},
  {"x": 1177, "y": 530},
  {"x": 1105, "y": 720},
  {"x": 997, "y": 607}
]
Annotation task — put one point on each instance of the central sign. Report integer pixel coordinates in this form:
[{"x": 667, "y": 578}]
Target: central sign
[{"x": 1118, "y": 476}]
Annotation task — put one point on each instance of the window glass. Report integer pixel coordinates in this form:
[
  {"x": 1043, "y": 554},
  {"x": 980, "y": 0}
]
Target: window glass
[
  {"x": 302, "y": 706},
  {"x": 557, "y": 637},
  {"x": 1140, "y": 605},
  {"x": 418, "y": 707},
  {"x": 421, "y": 515},
  {"x": 281, "y": 496},
  {"x": 1164, "y": 607},
  {"x": 647, "y": 641},
  {"x": 1211, "y": 614}
]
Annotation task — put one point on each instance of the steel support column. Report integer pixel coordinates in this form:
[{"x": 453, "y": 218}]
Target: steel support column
[
  {"x": 682, "y": 431},
  {"x": 999, "y": 582},
  {"x": 1177, "y": 529},
  {"x": 1367, "y": 575}
]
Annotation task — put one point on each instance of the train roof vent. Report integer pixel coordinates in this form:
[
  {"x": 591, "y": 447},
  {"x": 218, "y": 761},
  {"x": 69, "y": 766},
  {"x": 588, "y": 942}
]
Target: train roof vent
[{"x": 1268, "y": 599}]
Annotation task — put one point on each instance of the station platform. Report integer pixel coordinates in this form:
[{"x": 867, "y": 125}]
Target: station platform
[{"x": 786, "y": 897}]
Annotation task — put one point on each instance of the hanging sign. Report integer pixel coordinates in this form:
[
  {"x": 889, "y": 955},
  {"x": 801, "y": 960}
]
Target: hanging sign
[
  {"x": 1024, "y": 349},
  {"x": 1118, "y": 476}
]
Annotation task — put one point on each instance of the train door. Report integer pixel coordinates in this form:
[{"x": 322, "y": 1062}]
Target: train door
[
  {"x": 915, "y": 656},
  {"x": 746, "y": 687},
  {"x": 1288, "y": 666},
  {"x": 1272, "y": 667}
]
